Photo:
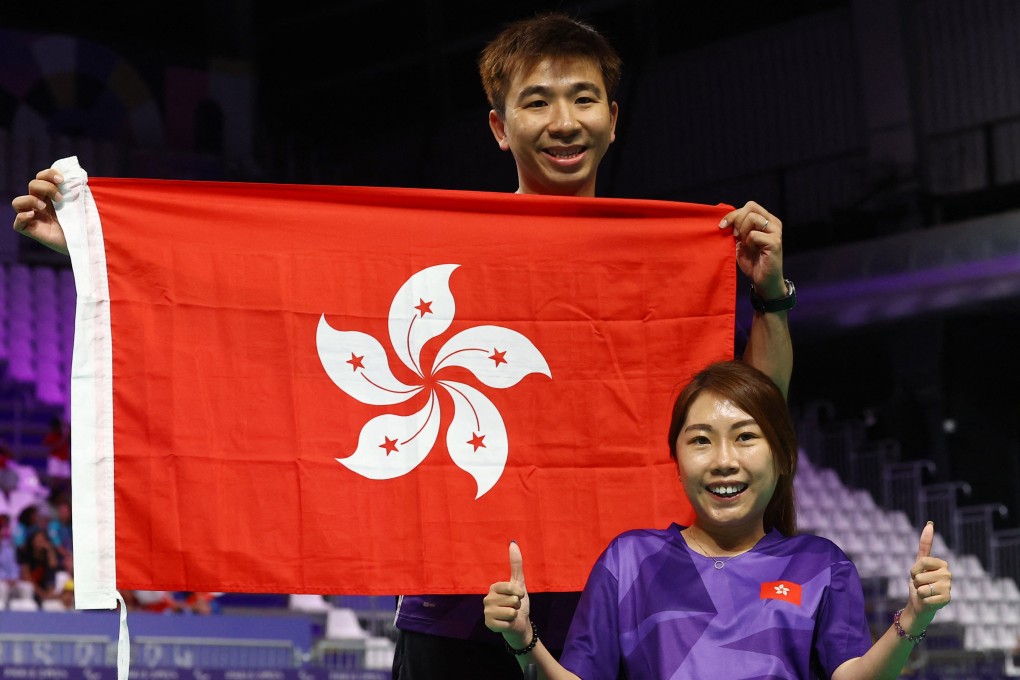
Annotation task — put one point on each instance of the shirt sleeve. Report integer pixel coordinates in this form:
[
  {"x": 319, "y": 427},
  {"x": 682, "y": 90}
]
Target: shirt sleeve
[
  {"x": 842, "y": 631},
  {"x": 592, "y": 650}
]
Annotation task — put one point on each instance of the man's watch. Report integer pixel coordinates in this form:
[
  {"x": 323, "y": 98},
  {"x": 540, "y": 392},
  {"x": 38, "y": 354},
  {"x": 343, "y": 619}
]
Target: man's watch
[{"x": 789, "y": 301}]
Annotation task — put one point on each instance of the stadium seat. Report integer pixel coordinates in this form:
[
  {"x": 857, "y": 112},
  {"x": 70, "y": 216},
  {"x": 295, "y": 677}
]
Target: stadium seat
[
  {"x": 23, "y": 604},
  {"x": 342, "y": 624},
  {"x": 309, "y": 603},
  {"x": 1008, "y": 590},
  {"x": 379, "y": 653}
]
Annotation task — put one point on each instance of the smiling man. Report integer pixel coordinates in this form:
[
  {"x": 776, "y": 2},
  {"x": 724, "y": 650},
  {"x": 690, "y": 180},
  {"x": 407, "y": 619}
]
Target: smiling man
[
  {"x": 551, "y": 82},
  {"x": 558, "y": 125}
]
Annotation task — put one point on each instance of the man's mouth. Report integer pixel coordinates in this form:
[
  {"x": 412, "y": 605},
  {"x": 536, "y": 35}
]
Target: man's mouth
[
  {"x": 565, "y": 153},
  {"x": 726, "y": 490}
]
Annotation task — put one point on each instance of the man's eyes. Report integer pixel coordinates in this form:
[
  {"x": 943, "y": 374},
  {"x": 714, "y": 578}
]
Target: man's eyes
[{"x": 537, "y": 103}]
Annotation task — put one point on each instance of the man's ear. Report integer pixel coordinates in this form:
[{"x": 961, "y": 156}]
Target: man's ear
[
  {"x": 498, "y": 127},
  {"x": 614, "y": 113}
]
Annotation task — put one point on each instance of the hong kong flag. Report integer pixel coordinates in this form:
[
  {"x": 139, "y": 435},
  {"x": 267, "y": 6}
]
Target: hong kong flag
[{"x": 309, "y": 389}]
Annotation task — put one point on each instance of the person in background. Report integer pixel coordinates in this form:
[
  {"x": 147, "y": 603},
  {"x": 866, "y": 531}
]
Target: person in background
[
  {"x": 58, "y": 443},
  {"x": 8, "y": 475},
  {"x": 10, "y": 572},
  {"x": 29, "y": 519},
  {"x": 39, "y": 565},
  {"x": 59, "y": 530}
]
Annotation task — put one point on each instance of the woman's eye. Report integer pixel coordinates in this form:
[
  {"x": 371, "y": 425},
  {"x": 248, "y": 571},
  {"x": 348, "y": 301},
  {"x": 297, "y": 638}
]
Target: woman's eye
[
  {"x": 698, "y": 441},
  {"x": 746, "y": 436}
]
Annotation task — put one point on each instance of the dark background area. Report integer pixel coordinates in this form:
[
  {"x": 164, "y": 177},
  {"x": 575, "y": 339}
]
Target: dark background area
[{"x": 332, "y": 76}]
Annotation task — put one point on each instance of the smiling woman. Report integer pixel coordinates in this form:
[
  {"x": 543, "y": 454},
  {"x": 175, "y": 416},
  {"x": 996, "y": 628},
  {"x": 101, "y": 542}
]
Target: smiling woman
[
  {"x": 736, "y": 452},
  {"x": 756, "y": 600}
]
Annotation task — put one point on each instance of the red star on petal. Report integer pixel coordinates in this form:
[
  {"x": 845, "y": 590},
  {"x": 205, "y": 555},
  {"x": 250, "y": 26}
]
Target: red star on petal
[
  {"x": 355, "y": 361},
  {"x": 424, "y": 307},
  {"x": 477, "y": 440},
  {"x": 390, "y": 445},
  {"x": 497, "y": 356}
]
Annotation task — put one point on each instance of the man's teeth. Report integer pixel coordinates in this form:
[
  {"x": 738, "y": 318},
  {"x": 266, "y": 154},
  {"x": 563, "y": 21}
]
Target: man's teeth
[
  {"x": 565, "y": 153},
  {"x": 728, "y": 490}
]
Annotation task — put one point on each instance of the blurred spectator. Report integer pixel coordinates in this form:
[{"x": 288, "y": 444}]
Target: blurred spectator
[
  {"x": 155, "y": 601},
  {"x": 39, "y": 565},
  {"x": 59, "y": 530},
  {"x": 8, "y": 475},
  {"x": 165, "y": 601},
  {"x": 10, "y": 573},
  {"x": 66, "y": 594},
  {"x": 29, "y": 519},
  {"x": 58, "y": 441},
  {"x": 199, "y": 603}
]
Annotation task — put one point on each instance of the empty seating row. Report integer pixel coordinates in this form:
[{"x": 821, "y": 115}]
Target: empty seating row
[{"x": 883, "y": 545}]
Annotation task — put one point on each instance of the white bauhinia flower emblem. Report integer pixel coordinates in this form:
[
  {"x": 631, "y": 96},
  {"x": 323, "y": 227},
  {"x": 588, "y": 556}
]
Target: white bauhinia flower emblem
[{"x": 390, "y": 445}]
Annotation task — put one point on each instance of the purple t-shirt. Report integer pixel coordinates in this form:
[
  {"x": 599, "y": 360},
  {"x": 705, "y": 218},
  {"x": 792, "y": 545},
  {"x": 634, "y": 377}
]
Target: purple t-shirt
[{"x": 653, "y": 608}]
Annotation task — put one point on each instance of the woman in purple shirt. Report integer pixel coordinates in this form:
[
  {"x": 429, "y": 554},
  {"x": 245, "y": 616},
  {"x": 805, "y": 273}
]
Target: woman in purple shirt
[{"x": 737, "y": 594}]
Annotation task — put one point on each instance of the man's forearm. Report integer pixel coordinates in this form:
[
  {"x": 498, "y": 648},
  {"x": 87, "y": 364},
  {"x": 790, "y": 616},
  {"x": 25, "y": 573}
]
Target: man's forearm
[{"x": 769, "y": 348}]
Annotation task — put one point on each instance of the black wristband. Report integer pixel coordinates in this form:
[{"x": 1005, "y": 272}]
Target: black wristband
[
  {"x": 789, "y": 301},
  {"x": 531, "y": 645}
]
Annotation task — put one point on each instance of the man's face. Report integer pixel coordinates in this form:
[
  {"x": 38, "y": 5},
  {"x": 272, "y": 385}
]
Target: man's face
[{"x": 558, "y": 124}]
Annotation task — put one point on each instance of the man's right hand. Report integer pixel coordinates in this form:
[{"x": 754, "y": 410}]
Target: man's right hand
[
  {"x": 34, "y": 214},
  {"x": 507, "y": 607}
]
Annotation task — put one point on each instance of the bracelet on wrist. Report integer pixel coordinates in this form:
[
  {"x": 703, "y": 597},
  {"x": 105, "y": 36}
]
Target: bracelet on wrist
[
  {"x": 531, "y": 645},
  {"x": 904, "y": 634}
]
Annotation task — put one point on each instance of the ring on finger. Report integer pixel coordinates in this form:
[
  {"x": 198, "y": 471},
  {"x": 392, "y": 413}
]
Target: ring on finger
[
  {"x": 766, "y": 225},
  {"x": 931, "y": 587}
]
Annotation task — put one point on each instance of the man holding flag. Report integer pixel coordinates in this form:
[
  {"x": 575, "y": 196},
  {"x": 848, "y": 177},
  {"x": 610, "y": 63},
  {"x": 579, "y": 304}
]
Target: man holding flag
[{"x": 551, "y": 82}]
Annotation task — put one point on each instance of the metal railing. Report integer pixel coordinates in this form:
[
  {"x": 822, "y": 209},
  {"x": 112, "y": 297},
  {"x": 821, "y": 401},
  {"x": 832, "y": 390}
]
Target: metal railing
[
  {"x": 1005, "y": 553},
  {"x": 976, "y": 525},
  {"x": 938, "y": 503}
]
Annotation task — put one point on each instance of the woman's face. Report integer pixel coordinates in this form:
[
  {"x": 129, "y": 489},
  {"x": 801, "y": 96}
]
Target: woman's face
[{"x": 725, "y": 465}]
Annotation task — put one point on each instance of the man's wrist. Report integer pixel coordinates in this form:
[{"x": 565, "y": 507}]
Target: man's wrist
[{"x": 765, "y": 303}]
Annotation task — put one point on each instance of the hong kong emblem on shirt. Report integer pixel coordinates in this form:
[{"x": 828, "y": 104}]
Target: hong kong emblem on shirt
[
  {"x": 787, "y": 591},
  {"x": 392, "y": 445}
]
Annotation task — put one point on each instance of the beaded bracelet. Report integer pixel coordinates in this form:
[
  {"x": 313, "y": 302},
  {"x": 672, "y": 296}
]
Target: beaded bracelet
[
  {"x": 531, "y": 645},
  {"x": 904, "y": 634}
]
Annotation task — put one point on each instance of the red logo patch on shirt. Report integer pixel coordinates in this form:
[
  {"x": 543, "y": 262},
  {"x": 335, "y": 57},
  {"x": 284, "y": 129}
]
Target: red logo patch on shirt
[{"x": 781, "y": 590}]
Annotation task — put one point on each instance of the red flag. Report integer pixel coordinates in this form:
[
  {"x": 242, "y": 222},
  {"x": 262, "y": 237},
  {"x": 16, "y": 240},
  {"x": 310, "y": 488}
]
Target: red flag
[
  {"x": 787, "y": 591},
  {"x": 363, "y": 390}
]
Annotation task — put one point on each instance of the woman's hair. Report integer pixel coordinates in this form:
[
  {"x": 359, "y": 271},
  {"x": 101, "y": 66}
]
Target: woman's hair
[
  {"x": 526, "y": 42},
  {"x": 755, "y": 394}
]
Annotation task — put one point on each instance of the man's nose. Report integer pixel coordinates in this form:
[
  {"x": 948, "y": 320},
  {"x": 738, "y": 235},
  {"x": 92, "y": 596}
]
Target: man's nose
[{"x": 564, "y": 121}]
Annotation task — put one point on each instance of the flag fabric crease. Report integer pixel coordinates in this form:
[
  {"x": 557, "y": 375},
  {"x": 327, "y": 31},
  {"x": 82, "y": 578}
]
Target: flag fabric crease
[{"x": 311, "y": 389}]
